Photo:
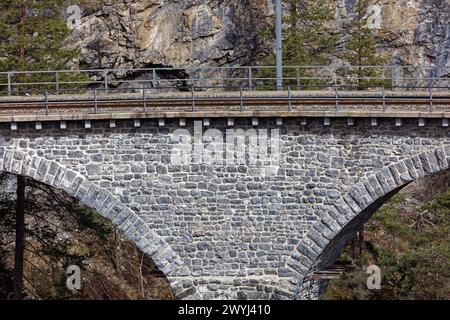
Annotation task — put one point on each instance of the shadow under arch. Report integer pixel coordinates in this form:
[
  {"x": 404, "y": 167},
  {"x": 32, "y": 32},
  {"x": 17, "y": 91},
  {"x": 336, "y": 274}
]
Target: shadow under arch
[
  {"x": 337, "y": 226},
  {"x": 26, "y": 163}
]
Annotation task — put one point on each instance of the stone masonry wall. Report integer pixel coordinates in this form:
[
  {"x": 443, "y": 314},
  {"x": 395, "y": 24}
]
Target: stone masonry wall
[{"x": 229, "y": 230}]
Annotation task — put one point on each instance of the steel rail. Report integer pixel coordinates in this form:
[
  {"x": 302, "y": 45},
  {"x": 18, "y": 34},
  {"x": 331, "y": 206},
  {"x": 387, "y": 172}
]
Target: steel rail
[
  {"x": 220, "y": 99},
  {"x": 202, "y": 103},
  {"x": 248, "y": 100}
]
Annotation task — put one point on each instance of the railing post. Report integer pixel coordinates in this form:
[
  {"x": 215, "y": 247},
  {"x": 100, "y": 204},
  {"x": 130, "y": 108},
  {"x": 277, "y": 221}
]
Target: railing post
[
  {"x": 337, "y": 97},
  {"x": 144, "y": 97},
  {"x": 105, "y": 76},
  {"x": 195, "y": 76},
  {"x": 383, "y": 95},
  {"x": 346, "y": 77},
  {"x": 95, "y": 101},
  {"x": 250, "y": 78},
  {"x": 241, "y": 98},
  {"x": 297, "y": 71},
  {"x": 154, "y": 78},
  {"x": 57, "y": 81},
  {"x": 46, "y": 103},
  {"x": 202, "y": 84},
  {"x": 193, "y": 97},
  {"x": 9, "y": 83},
  {"x": 290, "y": 98},
  {"x": 392, "y": 77},
  {"x": 430, "y": 90}
]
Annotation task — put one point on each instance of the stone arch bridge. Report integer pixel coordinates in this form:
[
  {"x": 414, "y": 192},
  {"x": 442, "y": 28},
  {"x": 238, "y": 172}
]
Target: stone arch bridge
[{"x": 229, "y": 230}]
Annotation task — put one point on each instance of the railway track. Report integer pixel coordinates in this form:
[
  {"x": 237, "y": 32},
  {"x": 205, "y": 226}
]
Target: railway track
[{"x": 27, "y": 105}]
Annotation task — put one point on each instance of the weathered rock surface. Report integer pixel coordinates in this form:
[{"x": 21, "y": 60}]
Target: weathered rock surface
[
  {"x": 190, "y": 33},
  {"x": 186, "y": 33},
  {"x": 413, "y": 32}
]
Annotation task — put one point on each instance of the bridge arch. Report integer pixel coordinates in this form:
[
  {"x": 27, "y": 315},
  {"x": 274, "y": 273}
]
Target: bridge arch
[
  {"x": 27, "y": 163},
  {"x": 337, "y": 226}
]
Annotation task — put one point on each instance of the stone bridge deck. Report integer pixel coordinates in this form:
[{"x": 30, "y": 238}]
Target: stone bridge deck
[
  {"x": 113, "y": 106},
  {"x": 220, "y": 225}
]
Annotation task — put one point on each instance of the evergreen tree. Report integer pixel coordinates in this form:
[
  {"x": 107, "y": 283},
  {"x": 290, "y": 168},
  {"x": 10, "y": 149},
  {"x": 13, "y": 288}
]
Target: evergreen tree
[
  {"x": 32, "y": 34},
  {"x": 308, "y": 39},
  {"x": 32, "y": 37},
  {"x": 360, "y": 51}
]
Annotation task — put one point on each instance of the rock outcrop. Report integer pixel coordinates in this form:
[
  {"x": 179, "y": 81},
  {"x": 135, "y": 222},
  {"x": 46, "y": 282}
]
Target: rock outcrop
[
  {"x": 179, "y": 34},
  {"x": 191, "y": 33},
  {"x": 413, "y": 32}
]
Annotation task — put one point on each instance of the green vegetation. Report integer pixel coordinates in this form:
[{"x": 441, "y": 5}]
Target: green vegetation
[
  {"x": 32, "y": 34},
  {"x": 360, "y": 50},
  {"x": 32, "y": 38},
  {"x": 411, "y": 245},
  {"x": 308, "y": 41}
]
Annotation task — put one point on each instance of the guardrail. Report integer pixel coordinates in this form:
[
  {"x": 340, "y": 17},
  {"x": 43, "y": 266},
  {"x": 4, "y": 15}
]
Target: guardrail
[
  {"x": 252, "y": 77},
  {"x": 336, "y": 97}
]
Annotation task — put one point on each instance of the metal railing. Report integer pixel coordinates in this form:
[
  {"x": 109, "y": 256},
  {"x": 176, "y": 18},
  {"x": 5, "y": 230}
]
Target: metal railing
[
  {"x": 220, "y": 78},
  {"x": 241, "y": 99}
]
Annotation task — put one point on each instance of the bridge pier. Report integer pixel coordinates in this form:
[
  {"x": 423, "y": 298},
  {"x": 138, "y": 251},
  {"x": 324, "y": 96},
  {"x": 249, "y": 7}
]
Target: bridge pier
[{"x": 247, "y": 288}]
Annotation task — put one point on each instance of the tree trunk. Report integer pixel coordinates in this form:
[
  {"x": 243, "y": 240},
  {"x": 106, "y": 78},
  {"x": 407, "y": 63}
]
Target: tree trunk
[
  {"x": 20, "y": 239},
  {"x": 361, "y": 246},
  {"x": 294, "y": 14},
  {"x": 22, "y": 23},
  {"x": 358, "y": 247}
]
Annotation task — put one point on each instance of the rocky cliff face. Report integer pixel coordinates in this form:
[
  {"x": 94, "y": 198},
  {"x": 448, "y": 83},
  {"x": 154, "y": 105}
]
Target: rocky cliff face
[
  {"x": 189, "y": 33},
  {"x": 184, "y": 33},
  {"x": 413, "y": 32}
]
